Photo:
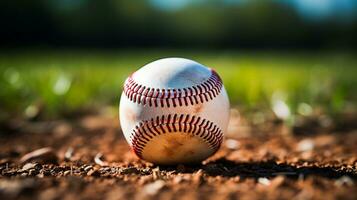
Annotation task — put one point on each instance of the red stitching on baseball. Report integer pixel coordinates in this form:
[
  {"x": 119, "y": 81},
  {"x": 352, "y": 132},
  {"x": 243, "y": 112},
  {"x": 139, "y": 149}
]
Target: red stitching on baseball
[
  {"x": 173, "y": 97},
  {"x": 166, "y": 124}
]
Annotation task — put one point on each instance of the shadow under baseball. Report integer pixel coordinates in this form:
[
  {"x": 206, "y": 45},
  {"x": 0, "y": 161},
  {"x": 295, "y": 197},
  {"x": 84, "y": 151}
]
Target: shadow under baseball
[{"x": 269, "y": 169}]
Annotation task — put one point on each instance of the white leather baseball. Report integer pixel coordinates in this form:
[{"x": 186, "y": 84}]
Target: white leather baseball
[{"x": 174, "y": 110}]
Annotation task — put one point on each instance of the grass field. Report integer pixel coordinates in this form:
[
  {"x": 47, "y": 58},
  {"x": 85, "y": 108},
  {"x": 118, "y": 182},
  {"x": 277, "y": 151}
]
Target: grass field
[{"x": 63, "y": 81}]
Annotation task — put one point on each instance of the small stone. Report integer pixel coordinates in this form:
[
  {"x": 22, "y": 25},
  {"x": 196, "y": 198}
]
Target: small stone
[
  {"x": 156, "y": 174},
  {"x": 98, "y": 160},
  {"x": 236, "y": 179},
  {"x": 306, "y": 145},
  {"x": 264, "y": 181},
  {"x": 177, "y": 180},
  {"x": 277, "y": 181},
  {"x": 198, "y": 177},
  {"x": 28, "y": 166},
  {"x": 344, "y": 180},
  {"x": 93, "y": 172},
  {"x": 88, "y": 168},
  {"x": 232, "y": 144},
  {"x": 40, "y": 175},
  {"x": 43, "y": 155},
  {"x": 69, "y": 153},
  {"x": 153, "y": 188}
]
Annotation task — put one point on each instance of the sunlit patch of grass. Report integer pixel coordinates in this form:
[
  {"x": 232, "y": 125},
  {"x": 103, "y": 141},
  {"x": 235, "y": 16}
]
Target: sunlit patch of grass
[{"x": 66, "y": 81}]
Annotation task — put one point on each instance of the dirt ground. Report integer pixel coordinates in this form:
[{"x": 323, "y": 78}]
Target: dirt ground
[{"x": 88, "y": 158}]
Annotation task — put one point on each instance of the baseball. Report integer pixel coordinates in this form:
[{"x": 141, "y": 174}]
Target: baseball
[{"x": 174, "y": 110}]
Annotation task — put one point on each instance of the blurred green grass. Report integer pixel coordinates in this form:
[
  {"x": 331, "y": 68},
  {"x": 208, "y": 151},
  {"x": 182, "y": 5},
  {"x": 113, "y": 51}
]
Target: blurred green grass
[{"x": 65, "y": 81}]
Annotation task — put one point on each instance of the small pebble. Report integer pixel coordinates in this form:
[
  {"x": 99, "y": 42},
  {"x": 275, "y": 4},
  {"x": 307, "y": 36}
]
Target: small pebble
[
  {"x": 306, "y": 145},
  {"x": 178, "y": 179},
  {"x": 28, "y": 166},
  {"x": 156, "y": 174},
  {"x": 98, "y": 160},
  {"x": 153, "y": 188},
  {"x": 232, "y": 144},
  {"x": 43, "y": 155},
  {"x": 264, "y": 181},
  {"x": 93, "y": 172},
  {"x": 344, "y": 180},
  {"x": 88, "y": 168},
  {"x": 69, "y": 153},
  {"x": 277, "y": 181},
  {"x": 40, "y": 175},
  {"x": 198, "y": 177}
]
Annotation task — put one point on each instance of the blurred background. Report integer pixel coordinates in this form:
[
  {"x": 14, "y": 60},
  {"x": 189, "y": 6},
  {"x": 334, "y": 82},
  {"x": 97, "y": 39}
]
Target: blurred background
[{"x": 288, "y": 60}]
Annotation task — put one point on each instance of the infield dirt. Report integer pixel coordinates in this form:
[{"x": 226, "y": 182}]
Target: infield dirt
[{"x": 88, "y": 158}]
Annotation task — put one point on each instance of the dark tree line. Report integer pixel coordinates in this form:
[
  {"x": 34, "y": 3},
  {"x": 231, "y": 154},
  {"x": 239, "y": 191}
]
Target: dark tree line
[{"x": 127, "y": 23}]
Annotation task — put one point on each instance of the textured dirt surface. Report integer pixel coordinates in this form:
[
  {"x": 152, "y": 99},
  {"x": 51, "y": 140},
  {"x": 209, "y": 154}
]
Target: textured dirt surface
[{"x": 87, "y": 158}]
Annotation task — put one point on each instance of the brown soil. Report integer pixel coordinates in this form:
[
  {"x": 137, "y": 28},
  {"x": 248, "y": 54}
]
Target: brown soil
[{"x": 88, "y": 158}]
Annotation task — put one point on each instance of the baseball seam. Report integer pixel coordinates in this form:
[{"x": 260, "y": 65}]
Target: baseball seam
[
  {"x": 157, "y": 97},
  {"x": 166, "y": 124}
]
